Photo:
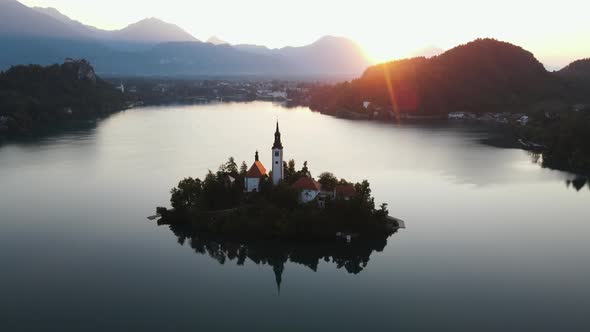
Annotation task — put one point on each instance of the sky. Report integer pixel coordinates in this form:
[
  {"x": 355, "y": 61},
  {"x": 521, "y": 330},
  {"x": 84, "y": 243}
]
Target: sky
[{"x": 557, "y": 32}]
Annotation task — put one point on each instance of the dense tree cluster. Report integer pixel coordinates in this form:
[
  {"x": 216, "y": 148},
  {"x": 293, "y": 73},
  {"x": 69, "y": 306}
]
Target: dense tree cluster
[
  {"x": 564, "y": 138},
  {"x": 35, "y": 98},
  {"x": 219, "y": 204}
]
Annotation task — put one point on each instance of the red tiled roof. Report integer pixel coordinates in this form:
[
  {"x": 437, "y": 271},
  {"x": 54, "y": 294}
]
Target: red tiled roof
[
  {"x": 345, "y": 190},
  {"x": 306, "y": 183},
  {"x": 256, "y": 171}
]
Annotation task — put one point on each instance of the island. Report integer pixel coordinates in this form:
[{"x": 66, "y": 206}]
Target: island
[{"x": 285, "y": 203}]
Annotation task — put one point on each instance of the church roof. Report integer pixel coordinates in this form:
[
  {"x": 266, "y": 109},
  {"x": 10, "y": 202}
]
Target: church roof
[
  {"x": 277, "y": 143},
  {"x": 307, "y": 183},
  {"x": 345, "y": 190},
  {"x": 257, "y": 170}
]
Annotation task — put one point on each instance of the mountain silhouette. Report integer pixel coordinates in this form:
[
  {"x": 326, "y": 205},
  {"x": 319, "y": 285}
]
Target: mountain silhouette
[
  {"x": 479, "y": 76},
  {"x": 152, "y": 47},
  {"x": 216, "y": 41}
]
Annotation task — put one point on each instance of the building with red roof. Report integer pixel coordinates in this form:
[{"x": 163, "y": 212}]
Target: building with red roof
[
  {"x": 344, "y": 191},
  {"x": 308, "y": 189},
  {"x": 254, "y": 175}
]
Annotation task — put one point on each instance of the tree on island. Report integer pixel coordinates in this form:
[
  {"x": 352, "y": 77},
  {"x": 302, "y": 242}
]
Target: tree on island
[
  {"x": 289, "y": 171},
  {"x": 187, "y": 194},
  {"x": 230, "y": 167},
  {"x": 328, "y": 181},
  {"x": 243, "y": 169}
]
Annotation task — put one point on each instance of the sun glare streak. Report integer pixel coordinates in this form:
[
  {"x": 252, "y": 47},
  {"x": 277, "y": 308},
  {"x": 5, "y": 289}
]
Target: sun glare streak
[{"x": 392, "y": 98}]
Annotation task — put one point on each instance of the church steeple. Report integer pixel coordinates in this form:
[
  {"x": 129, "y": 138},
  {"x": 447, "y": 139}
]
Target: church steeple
[
  {"x": 277, "y": 144},
  {"x": 277, "y": 158}
]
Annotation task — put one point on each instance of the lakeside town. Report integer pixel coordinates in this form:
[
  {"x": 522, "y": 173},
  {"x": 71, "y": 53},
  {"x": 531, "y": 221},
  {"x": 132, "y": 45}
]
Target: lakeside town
[{"x": 157, "y": 91}]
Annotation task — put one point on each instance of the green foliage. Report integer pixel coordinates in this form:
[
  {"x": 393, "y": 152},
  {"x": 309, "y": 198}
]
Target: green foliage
[
  {"x": 564, "y": 139},
  {"x": 221, "y": 190},
  {"x": 187, "y": 194},
  {"x": 243, "y": 169},
  {"x": 328, "y": 181},
  {"x": 220, "y": 206},
  {"x": 363, "y": 194},
  {"x": 290, "y": 172},
  {"x": 36, "y": 98},
  {"x": 230, "y": 167}
]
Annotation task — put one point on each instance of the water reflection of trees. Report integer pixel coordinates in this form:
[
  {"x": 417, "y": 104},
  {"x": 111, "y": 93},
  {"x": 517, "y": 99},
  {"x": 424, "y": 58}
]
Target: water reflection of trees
[
  {"x": 578, "y": 183},
  {"x": 352, "y": 257}
]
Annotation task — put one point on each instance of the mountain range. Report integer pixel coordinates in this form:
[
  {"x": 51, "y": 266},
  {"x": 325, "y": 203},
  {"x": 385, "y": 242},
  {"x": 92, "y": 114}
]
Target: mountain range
[{"x": 153, "y": 47}]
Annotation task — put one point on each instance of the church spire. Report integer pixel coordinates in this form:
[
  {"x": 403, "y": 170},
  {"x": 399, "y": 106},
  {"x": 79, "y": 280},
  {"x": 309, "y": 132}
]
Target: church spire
[
  {"x": 277, "y": 144},
  {"x": 278, "y": 270}
]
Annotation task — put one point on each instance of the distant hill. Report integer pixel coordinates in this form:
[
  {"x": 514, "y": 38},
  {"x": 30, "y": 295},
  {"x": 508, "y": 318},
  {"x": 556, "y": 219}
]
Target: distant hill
[
  {"x": 577, "y": 69},
  {"x": 18, "y": 20},
  {"x": 34, "y": 98},
  {"x": 216, "y": 41},
  {"x": 329, "y": 54},
  {"x": 152, "y": 47},
  {"x": 82, "y": 29},
  {"x": 482, "y": 75},
  {"x": 153, "y": 30},
  {"x": 427, "y": 52},
  {"x": 251, "y": 48}
]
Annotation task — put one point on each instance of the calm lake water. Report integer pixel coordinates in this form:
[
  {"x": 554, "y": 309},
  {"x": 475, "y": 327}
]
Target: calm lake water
[{"x": 493, "y": 241}]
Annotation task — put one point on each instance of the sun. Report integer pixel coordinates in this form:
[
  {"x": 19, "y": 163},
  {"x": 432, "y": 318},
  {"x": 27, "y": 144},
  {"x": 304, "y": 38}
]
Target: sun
[{"x": 377, "y": 51}]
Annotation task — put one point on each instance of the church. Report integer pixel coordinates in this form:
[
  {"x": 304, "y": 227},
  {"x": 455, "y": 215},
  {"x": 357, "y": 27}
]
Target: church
[{"x": 257, "y": 171}]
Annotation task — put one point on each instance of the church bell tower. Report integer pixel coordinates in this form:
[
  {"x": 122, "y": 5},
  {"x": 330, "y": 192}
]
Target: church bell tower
[{"x": 277, "y": 158}]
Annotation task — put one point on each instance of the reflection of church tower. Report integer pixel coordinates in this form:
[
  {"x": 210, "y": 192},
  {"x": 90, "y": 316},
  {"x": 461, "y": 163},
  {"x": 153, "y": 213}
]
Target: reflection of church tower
[
  {"x": 278, "y": 270},
  {"x": 277, "y": 158}
]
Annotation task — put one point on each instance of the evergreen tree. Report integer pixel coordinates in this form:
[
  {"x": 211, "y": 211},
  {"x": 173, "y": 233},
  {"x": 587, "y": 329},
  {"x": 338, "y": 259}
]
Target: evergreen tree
[
  {"x": 328, "y": 181},
  {"x": 243, "y": 169}
]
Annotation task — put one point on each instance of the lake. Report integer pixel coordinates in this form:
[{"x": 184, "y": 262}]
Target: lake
[{"x": 493, "y": 241}]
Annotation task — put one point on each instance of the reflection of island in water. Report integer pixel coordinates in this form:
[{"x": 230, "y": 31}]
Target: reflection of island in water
[{"x": 353, "y": 256}]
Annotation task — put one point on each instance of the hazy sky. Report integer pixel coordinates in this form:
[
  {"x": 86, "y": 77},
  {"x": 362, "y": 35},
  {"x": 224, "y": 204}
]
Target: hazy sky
[{"x": 556, "y": 31}]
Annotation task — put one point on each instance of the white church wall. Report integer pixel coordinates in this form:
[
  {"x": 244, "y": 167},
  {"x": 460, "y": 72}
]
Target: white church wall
[{"x": 252, "y": 184}]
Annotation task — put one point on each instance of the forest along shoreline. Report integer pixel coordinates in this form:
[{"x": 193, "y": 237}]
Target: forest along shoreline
[
  {"x": 36, "y": 100},
  {"x": 485, "y": 80},
  {"x": 547, "y": 113}
]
